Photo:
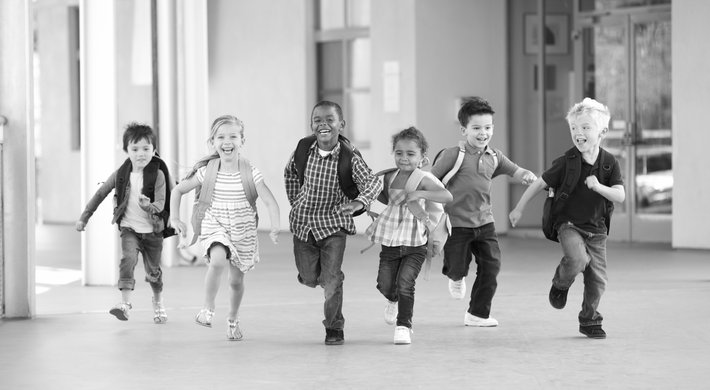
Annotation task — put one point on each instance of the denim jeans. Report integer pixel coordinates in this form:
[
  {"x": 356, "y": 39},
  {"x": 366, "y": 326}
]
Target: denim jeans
[
  {"x": 462, "y": 245},
  {"x": 319, "y": 264},
  {"x": 150, "y": 246},
  {"x": 586, "y": 253},
  {"x": 399, "y": 268}
]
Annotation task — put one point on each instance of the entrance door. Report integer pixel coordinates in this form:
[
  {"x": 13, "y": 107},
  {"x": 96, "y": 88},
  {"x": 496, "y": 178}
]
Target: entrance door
[{"x": 625, "y": 62}]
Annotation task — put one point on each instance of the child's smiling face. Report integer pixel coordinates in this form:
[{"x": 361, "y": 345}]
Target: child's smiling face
[
  {"x": 140, "y": 153},
  {"x": 586, "y": 132},
  {"x": 407, "y": 154},
  {"x": 326, "y": 125},
  {"x": 479, "y": 130},
  {"x": 227, "y": 140}
]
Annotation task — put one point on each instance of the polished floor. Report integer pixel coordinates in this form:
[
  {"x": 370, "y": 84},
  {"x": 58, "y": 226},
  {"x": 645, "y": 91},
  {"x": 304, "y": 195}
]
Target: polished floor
[{"x": 656, "y": 313}]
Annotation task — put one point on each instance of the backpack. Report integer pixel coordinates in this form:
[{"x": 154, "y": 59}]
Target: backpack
[
  {"x": 557, "y": 197},
  {"x": 345, "y": 165},
  {"x": 459, "y": 160}
]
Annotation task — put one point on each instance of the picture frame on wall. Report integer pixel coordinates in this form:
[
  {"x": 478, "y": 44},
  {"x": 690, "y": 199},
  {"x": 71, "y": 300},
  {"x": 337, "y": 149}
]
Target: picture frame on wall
[{"x": 556, "y": 34}]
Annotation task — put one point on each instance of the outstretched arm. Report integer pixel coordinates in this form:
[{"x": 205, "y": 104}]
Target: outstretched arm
[
  {"x": 537, "y": 186},
  {"x": 274, "y": 213},
  {"x": 524, "y": 176},
  {"x": 95, "y": 201},
  {"x": 176, "y": 194}
]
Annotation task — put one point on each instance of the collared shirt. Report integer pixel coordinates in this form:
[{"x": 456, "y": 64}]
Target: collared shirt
[
  {"x": 471, "y": 186},
  {"x": 315, "y": 206}
]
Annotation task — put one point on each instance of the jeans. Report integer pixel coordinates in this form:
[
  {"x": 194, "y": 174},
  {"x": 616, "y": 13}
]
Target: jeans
[
  {"x": 399, "y": 268},
  {"x": 150, "y": 245},
  {"x": 319, "y": 264},
  {"x": 481, "y": 242},
  {"x": 586, "y": 253}
]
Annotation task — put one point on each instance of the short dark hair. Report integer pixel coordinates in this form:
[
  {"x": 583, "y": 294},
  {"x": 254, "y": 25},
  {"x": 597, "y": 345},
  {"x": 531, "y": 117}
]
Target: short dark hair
[
  {"x": 473, "y": 105},
  {"x": 328, "y": 103},
  {"x": 137, "y": 131},
  {"x": 414, "y": 134}
]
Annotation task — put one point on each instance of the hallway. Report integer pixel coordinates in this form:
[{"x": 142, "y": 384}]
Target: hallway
[{"x": 655, "y": 309}]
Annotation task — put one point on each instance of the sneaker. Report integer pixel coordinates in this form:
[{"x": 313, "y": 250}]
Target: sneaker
[
  {"x": 402, "y": 335},
  {"x": 558, "y": 297},
  {"x": 233, "y": 331},
  {"x": 593, "y": 331},
  {"x": 457, "y": 288},
  {"x": 204, "y": 317},
  {"x": 120, "y": 311},
  {"x": 334, "y": 337},
  {"x": 159, "y": 315},
  {"x": 471, "y": 320},
  {"x": 391, "y": 311}
]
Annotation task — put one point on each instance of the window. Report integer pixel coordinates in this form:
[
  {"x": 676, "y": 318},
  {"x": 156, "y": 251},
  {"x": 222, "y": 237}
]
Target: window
[{"x": 343, "y": 62}]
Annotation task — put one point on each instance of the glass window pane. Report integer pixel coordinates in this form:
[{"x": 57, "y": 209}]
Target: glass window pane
[
  {"x": 331, "y": 14},
  {"x": 359, "y": 122},
  {"x": 359, "y": 53},
  {"x": 358, "y": 13},
  {"x": 330, "y": 65},
  {"x": 600, "y": 5}
]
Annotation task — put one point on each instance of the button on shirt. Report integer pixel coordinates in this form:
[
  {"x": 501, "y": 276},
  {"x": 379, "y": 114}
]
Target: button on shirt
[
  {"x": 315, "y": 206},
  {"x": 471, "y": 186}
]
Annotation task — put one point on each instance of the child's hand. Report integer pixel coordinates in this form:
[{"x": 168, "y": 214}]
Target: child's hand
[
  {"x": 143, "y": 201},
  {"x": 592, "y": 183},
  {"x": 350, "y": 208},
  {"x": 529, "y": 178},
  {"x": 414, "y": 196},
  {"x": 179, "y": 227},
  {"x": 514, "y": 217},
  {"x": 274, "y": 235},
  {"x": 80, "y": 225}
]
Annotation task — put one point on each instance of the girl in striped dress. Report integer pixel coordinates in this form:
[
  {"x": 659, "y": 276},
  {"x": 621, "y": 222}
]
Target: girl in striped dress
[
  {"x": 402, "y": 235},
  {"x": 224, "y": 217}
]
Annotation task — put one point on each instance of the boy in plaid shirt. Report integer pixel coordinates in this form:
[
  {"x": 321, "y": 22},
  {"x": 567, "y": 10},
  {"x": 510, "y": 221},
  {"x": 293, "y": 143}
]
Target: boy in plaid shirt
[{"x": 321, "y": 214}]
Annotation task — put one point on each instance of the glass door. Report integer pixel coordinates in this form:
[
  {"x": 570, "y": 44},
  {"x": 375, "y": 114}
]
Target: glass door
[{"x": 625, "y": 62}]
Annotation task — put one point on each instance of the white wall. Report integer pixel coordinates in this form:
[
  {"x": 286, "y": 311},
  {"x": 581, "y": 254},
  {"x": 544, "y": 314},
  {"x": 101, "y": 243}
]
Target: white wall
[
  {"x": 691, "y": 132},
  {"x": 461, "y": 50},
  {"x": 258, "y": 72}
]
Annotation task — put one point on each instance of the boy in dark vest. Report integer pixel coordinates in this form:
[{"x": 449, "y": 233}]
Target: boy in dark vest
[
  {"x": 581, "y": 224},
  {"x": 319, "y": 178},
  {"x": 142, "y": 184}
]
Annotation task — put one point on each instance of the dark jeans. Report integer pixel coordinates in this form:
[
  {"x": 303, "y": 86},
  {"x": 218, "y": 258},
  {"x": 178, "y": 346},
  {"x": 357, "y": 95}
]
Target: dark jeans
[
  {"x": 319, "y": 264},
  {"x": 399, "y": 268},
  {"x": 584, "y": 253},
  {"x": 481, "y": 242},
  {"x": 150, "y": 246}
]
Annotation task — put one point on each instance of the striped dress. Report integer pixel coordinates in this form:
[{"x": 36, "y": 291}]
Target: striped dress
[
  {"x": 230, "y": 220},
  {"x": 397, "y": 226}
]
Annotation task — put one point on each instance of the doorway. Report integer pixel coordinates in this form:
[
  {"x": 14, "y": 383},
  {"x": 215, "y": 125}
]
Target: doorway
[{"x": 623, "y": 59}]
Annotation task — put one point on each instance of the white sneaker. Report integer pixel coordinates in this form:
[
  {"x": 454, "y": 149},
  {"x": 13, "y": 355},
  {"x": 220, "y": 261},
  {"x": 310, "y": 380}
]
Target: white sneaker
[
  {"x": 457, "y": 288},
  {"x": 402, "y": 335},
  {"x": 471, "y": 320},
  {"x": 391, "y": 310}
]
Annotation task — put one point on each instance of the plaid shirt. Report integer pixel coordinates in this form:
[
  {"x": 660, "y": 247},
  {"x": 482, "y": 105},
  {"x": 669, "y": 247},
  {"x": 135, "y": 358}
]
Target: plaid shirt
[
  {"x": 315, "y": 206},
  {"x": 397, "y": 226}
]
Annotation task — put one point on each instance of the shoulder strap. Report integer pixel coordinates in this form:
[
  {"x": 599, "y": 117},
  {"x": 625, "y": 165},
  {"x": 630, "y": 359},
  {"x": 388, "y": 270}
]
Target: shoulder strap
[
  {"x": 300, "y": 156},
  {"x": 345, "y": 168},
  {"x": 122, "y": 175},
  {"x": 413, "y": 181},
  {"x": 457, "y": 164},
  {"x": 573, "y": 169},
  {"x": 207, "y": 186},
  {"x": 248, "y": 181}
]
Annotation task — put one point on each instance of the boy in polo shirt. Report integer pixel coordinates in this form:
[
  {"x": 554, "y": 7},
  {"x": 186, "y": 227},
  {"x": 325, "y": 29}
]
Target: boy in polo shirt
[{"x": 473, "y": 231}]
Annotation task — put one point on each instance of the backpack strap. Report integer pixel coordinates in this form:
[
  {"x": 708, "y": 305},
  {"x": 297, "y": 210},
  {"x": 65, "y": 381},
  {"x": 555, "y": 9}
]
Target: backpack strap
[
  {"x": 457, "y": 164},
  {"x": 248, "y": 181},
  {"x": 300, "y": 156},
  {"x": 573, "y": 169},
  {"x": 384, "y": 196}
]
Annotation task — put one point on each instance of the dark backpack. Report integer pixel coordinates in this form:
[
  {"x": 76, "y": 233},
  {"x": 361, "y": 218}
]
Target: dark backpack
[
  {"x": 557, "y": 197},
  {"x": 345, "y": 165}
]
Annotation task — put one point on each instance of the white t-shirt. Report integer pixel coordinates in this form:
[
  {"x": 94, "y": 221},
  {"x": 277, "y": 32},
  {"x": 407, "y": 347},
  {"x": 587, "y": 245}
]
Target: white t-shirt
[{"x": 135, "y": 217}]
